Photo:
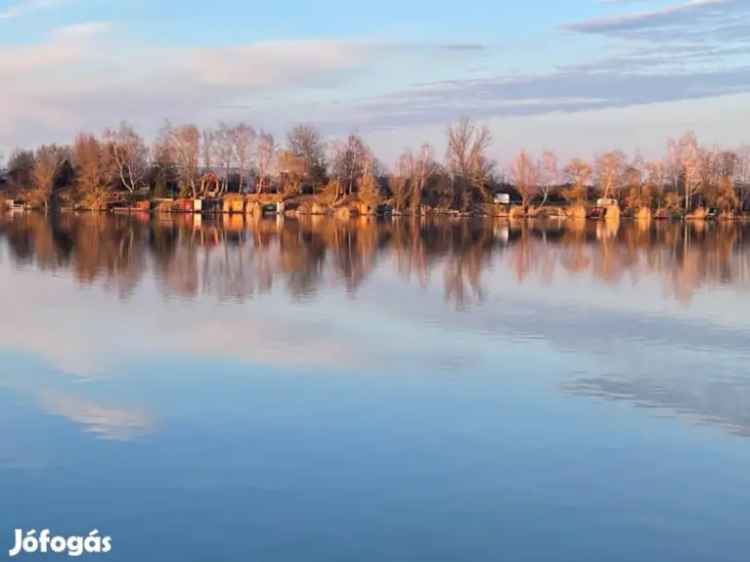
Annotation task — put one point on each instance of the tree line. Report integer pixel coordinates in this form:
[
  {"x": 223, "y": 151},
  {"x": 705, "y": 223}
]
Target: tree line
[{"x": 187, "y": 161}]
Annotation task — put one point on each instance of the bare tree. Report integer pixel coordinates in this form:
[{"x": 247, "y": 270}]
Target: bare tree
[
  {"x": 208, "y": 149},
  {"x": 426, "y": 169},
  {"x": 407, "y": 170},
  {"x": 163, "y": 173},
  {"x": 725, "y": 162},
  {"x": 399, "y": 188},
  {"x": 742, "y": 174},
  {"x": 21, "y": 168},
  {"x": 352, "y": 160},
  {"x": 686, "y": 165},
  {"x": 525, "y": 174},
  {"x": 656, "y": 177},
  {"x": 130, "y": 155},
  {"x": 368, "y": 187},
  {"x": 718, "y": 169},
  {"x": 292, "y": 170},
  {"x": 242, "y": 138},
  {"x": 637, "y": 194},
  {"x": 417, "y": 170},
  {"x": 184, "y": 148},
  {"x": 94, "y": 167},
  {"x": 577, "y": 174},
  {"x": 264, "y": 157},
  {"x": 305, "y": 142},
  {"x": 47, "y": 162},
  {"x": 549, "y": 175},
  {"x": 726, "y": 199},
  {"x": 610, "y": 168},
  {"x": 224, "y": 153},
  {"x": 467, "y": 159}
]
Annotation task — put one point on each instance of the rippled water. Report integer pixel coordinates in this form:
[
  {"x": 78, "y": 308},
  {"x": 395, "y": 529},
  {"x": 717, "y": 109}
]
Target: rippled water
[{"x": 365, "y": 390}]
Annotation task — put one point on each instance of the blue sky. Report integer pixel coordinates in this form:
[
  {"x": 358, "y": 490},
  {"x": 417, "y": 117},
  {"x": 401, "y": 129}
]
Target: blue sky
[
  {"x": 578, "y": 76},
  {"x": 230, "y": 21}
]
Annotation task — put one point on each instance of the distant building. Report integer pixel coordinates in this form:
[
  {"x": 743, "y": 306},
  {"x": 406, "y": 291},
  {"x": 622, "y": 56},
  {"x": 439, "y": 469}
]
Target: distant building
[{"x": 502, "y": 198}]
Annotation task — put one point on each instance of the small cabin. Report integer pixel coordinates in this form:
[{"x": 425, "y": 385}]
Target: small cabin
[
  {"x": 606, "y": 208},
  {"x": 502, "y": 199}
]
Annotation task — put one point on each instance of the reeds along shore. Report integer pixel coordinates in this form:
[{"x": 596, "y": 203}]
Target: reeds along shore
[{"x": 237, "y": 170}]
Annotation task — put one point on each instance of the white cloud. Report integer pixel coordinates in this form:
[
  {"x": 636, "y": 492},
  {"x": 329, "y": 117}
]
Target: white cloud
[
  {"x": 83, "y": 30},
  {"x": 85, "y": 76},
  {"x": 273, "y": 63},
  {"x": 27, "y": 6},
  {"x": 692, "y": 13}
]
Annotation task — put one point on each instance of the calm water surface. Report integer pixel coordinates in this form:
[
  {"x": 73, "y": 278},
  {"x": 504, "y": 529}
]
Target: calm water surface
[{"x": 376, "y": 391}]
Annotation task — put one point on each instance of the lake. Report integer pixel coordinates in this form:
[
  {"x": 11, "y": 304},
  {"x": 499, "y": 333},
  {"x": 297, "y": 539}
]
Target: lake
[{"x": 376, "y": 390}]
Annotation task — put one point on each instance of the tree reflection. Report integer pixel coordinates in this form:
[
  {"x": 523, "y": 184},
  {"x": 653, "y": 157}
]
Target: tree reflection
[{"x": 235, "y": 258}]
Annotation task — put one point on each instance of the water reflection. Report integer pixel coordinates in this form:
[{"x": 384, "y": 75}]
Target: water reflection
[
  {"x": 234, "y": 258},
  {"x": 190, "y": 368},
  {"x": 698, "y": 396},
  {"x": 104, "y": 421},
  {"x": 688, "y": 362}
]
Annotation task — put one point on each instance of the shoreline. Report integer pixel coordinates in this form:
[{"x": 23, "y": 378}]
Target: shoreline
[
  {"x": 308, "y": 206},
  {"x": 342, "y": 217}
]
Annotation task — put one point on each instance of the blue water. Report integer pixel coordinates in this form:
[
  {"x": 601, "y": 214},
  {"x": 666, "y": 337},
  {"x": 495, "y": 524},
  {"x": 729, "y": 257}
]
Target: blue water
[{"x": 285, "y": 391}]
